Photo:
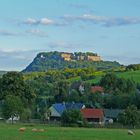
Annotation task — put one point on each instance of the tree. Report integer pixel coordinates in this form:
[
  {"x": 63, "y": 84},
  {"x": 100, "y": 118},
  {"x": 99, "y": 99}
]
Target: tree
[
  {"x": 12, "y": 83},
  {"x": 130, "y": 116},
  {"x": 61, "y": 90},
  {"x": 71, "y": 117},
  {"x": 95, "y": 99},
  {"x": 133, "y": 67},
  {"x": 26, "y": 114},
  {"x": 113, "y": 84},
  {"x": 109, "y": 82},
  {"x": 84, "y": 75},
  {"x": 73, "y": 96},
  {"x": 12, "y": 107}
]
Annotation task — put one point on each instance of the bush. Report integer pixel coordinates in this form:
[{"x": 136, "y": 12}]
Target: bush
[
  {"x": 130, "y": 116},
  {"x": 71, "y": 118}
]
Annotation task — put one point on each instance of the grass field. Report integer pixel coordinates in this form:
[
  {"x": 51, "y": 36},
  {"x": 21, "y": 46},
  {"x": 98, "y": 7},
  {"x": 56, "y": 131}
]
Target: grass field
[
  {"x": 133, "y": 75},
  {"x": 10, "y": 132}
]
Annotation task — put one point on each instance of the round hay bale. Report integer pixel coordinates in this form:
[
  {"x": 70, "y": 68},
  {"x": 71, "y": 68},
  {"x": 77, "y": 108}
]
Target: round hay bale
[
  {"x": 34, "y": 130},
  {"x": 22, "y": 129},
  {"x": 41, "y": 130}
]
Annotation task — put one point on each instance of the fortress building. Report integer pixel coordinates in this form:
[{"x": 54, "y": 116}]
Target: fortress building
[
  {"x": 66, "y": 56},
  {"x": 94, "y": 58},
  {"x": 80, "y": 56}
]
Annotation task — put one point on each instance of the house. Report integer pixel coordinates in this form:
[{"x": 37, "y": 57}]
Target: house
[
  {"x": 56, "y": 110},
  {"x": 95, "y": 89},
  {"x": 112, "y": 114},
  {"x": 81, "y": 88},
  {"x": 93, "y": 115},
  {"x": 76, "y": 106},
  {"x": 15, "y": 119}
]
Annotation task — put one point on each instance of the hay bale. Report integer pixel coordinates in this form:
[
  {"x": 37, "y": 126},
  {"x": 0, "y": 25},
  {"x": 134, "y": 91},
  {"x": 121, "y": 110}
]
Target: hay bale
[
  {"x": 130, "y": 132},
  {"x": 34, "y": 130},
  {"x": 41, "y": 130},
  {"x": 22, "y": 129}
]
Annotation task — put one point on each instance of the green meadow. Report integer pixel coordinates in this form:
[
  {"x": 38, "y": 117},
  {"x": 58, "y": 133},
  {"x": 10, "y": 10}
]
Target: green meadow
[
  {"x": 11, "y": 132},
  {"x": 133, "y": 75}
]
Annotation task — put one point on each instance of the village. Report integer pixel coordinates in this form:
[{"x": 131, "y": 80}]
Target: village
[{"x": 69, "y": 70}]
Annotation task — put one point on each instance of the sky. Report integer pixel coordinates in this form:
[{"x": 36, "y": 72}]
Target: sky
[{"x": 110, "y": 28}]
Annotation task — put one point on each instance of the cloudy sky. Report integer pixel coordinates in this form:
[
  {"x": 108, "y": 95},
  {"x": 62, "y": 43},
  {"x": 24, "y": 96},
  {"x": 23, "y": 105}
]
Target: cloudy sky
[{"x": 110, "y": 28}]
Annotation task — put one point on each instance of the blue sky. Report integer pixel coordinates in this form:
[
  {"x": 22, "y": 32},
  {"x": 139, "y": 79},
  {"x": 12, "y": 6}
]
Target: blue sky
[{"x": 110, "y": 28}]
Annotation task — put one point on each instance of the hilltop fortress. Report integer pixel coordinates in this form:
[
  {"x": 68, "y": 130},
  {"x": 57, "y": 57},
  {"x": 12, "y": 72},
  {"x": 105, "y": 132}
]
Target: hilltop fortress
[
  {"x": 80, "y": 56},
  {"x": 55, "y": 60}
]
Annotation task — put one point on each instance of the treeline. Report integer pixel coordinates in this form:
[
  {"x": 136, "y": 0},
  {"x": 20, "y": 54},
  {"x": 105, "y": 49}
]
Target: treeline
[
  {"x": 133, "y": 67},
  {"x": 114, "y": 84},
  {"x": 120, "y": 92},
  {"x": 67, "y": 73}
]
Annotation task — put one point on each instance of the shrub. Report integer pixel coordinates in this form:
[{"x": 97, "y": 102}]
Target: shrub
[{"x": 71, "y": 117}]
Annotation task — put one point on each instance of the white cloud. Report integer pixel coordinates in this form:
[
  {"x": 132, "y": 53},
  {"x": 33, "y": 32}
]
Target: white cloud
[
  {"x": 7, "y": 33},
  {"x": 42, "y": 21},
  {"x": 30, "y": 21},
  {"x": 46, "y": 21},
  {"x": 103, "y": 20},
  {"x": 36, "y": 32}
]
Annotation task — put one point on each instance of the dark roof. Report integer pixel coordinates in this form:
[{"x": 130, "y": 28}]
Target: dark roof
[
  {"x": 112, "y": 113},
  {"x": 61, "y": 107},
  {"x": 92, "y": 113},
  {"x": 77, "y": 106}
]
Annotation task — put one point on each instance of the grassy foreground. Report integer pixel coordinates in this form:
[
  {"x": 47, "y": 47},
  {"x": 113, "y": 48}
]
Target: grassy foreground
[{"x": 10, "y": 132}]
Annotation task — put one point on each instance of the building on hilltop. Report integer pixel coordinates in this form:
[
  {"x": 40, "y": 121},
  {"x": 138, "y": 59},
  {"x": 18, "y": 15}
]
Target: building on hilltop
[
  {"x": 80, "y": 56},
  {"x": 66, "y": 56},
  {"x": 94, "y": 58}
]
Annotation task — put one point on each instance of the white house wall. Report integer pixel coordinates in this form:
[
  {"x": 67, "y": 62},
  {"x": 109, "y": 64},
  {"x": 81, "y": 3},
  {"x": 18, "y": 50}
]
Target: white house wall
[{"x": 54, "y": 112}]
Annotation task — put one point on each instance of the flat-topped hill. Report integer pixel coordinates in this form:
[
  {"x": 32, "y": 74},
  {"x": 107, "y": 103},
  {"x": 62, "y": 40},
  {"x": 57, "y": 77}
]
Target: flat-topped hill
[{"x": 59, "y": 60}]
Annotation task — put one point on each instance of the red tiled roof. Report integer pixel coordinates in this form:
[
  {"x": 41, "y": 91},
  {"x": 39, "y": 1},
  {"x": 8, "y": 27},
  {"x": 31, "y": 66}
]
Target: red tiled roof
[
  {"x": 96, "y": 89},
  {"x": 92, "y": 113}
]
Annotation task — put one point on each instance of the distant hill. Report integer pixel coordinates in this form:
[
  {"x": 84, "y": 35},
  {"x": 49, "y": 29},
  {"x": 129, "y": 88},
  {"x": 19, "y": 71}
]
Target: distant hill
[
  {"x": 2, "y": 72},
  {"x": 59, "y": 60}
]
